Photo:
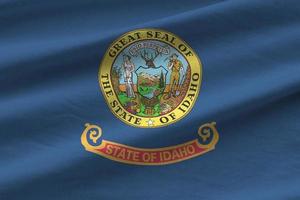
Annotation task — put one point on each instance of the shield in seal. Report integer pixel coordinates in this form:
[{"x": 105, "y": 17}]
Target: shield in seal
[{"x": 151, "y": 84}]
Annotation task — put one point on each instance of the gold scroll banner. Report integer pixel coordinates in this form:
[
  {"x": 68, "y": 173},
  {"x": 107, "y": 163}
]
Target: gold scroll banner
[{"x": 92, "y": 141}]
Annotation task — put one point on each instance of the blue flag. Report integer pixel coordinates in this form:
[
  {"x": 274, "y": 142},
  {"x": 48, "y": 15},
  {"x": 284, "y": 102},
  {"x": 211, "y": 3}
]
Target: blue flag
[{"x": 150, "y": 100}]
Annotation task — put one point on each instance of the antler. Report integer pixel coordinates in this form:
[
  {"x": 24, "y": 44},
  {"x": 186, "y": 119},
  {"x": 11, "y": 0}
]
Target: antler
[
  {"x": 156, "y": 54},
  {"x": 143, "y": 56}
]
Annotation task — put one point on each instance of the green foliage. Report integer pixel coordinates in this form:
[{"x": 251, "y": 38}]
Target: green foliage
[
  {"x": 123, "y": 98},
  {"x": 156, "y": 113},
  {"x": 161, "y": 80}
]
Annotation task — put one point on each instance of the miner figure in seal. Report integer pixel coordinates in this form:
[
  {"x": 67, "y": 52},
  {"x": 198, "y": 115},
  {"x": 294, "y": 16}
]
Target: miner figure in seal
[{"x": 175, "y": 65}]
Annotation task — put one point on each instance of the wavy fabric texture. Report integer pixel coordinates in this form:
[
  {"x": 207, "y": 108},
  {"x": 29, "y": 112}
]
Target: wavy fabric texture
[{"x": 49, "y": 60}]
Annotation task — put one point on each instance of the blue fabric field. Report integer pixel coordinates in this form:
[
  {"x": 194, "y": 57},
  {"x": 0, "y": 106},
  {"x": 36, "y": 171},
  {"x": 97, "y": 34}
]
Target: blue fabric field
[{"x": 50, "y": 52}]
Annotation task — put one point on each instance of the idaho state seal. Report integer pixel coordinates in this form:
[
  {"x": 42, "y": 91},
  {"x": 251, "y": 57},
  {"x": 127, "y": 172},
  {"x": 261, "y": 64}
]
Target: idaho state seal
[{"x": 150, "y": 78}]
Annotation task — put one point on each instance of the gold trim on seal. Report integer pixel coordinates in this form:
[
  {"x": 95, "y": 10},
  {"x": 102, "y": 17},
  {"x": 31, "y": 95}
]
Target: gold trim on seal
[{"x": 150, "y": 34}]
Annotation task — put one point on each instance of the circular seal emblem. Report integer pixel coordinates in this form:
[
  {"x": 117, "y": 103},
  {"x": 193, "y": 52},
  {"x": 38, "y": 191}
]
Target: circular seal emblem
[{"x": 150, "y": 78}]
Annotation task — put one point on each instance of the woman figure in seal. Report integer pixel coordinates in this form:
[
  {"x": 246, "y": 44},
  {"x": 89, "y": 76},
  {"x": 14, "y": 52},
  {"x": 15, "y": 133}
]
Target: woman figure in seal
[{"x": 128, "y": 67}]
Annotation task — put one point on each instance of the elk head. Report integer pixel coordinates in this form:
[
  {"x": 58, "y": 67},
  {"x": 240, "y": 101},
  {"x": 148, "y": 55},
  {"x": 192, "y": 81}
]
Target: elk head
[{"x": 149, "y": 59}]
